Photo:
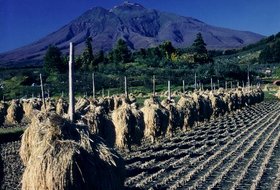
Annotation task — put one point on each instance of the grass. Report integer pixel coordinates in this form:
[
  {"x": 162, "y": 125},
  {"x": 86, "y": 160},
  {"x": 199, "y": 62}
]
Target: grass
[
  {"x": 270, "y": 95},
  {"x": 11, "y": 134},
  {"x": 11, "y": 130}
]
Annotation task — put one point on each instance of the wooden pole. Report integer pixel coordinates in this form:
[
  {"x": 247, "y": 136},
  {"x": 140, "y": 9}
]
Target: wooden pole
[
  {"x": 211, "y": 84},
  {"x": 183, "y": 86},
  {"x": 195, "y": 81},
  {"x": 226, "y": 85},
  {"x": 32, "y": 91},
  {"x": 169, "y": 90},
  {"x": 154, "y": 85},
  {"x": 42, "y": 91},
  {"x": 108, "y": 93},
  {"x": 71, "y": 109},
  {"x": 248, "y": 77},
  {"x": 231, "y": 85},
  {"x": 103, "y": 95},
  {"x": 48, "y": 93},
  {"x": 93, "y": 86},
  {"x": 125, "y": 87}
]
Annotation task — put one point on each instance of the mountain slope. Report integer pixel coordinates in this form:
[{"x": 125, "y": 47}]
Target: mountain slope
[{"x": 138, "y": 26}]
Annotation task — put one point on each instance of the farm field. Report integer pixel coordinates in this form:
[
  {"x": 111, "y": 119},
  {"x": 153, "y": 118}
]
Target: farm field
[{"x": 236, "y": 151}]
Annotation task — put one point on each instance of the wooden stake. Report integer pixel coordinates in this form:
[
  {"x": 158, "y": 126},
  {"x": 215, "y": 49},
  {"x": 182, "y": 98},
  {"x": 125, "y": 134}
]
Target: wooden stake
[
  {"x": 248, "y": 76},
  {"x": 154, "y": 85},
  {"x": 103, "y": 93},
  {"x": 93, "y": 86},
  {"x": 169, "y": 90},
  {"x": 71, "y": 109},
  {"x": 183, "y": 86},
  {"x": 226, "y": 85},
  {"x": 42, "y": 91},
  {"x": 48, "y": 93},
  {"x": 195, "y": 81},
  {"x": 125, "y": 87}
]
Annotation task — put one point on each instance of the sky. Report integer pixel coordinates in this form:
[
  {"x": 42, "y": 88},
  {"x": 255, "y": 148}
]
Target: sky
[{"x": 25, "y": 21}]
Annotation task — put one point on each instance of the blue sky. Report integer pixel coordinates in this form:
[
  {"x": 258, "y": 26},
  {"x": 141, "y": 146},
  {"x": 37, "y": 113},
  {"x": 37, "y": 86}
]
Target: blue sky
[{"x": 25, "y": 21}]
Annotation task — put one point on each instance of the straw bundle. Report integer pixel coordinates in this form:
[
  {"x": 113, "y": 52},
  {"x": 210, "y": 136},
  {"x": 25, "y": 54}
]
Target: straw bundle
[
  {"x": 218, "y": 104},
  {"x": 240, "y": 98},
  {"x": 117, "y": 102},
  {"x": 15, "y": 112},
  {"x": 206, "y": 110},
  {"x": 95, "y": 119},
  {"x": 124, "y": 122},
  {"x": 156, "y": 119},
  {"x": 198, "y": 99},
  {"x": 50, "y": 105},
  {"x": 174, "y": 118},
  {"x": 30, "y": 106},
  {"x": 61, "y": 107},
  {"x": 104, "y": 103},
  {"x": 59, "y": 155},
  {"x": 187, "y": 109},
  {"x": 132, "y": 98},
  {"x": 227, "y": 101},
  {"x": 81, "y": 105},
  {"x": 138, "y": 129},
  {"x": 3, "y": 112}
]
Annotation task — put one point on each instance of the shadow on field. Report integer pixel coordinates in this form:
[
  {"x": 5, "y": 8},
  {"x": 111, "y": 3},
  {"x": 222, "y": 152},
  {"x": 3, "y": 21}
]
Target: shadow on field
[{"x": 1, "y": 170}]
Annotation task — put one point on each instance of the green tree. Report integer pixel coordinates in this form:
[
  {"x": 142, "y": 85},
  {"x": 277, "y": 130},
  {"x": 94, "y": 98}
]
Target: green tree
[
  {"x": 199, "y": 46},
  {"x": 276, "y": 52},
  {"x": 167, "y": 49},
  {"x": 99, "y": 58},
  {"x": 199, "y": 50},
  {"x": 121, "y": 53},
  {"x": 266, "y": 55},
  {"x": 78, "y": 62},
  {"x": 87, "y": 55},
  {"x": 271, "y": 53},
  {"x": 53, "y": 60}
]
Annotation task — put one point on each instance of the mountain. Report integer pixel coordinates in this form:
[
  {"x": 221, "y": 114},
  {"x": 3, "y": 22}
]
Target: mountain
[
  {"x": 138, "y": 26},
  {"x": 267, "y": 50}
]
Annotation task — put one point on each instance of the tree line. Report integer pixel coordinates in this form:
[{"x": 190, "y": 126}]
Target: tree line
[{"x": 163, "y": 55}]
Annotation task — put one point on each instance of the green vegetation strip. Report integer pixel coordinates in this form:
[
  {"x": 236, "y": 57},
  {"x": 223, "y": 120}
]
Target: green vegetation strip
[
  {"x": 270, "y": 95},
  {"x": 10, "y": 134}
]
